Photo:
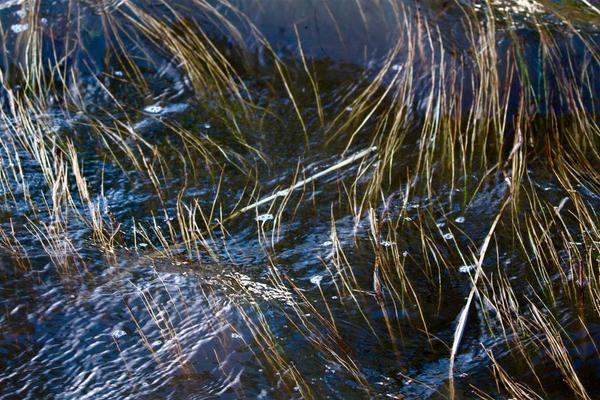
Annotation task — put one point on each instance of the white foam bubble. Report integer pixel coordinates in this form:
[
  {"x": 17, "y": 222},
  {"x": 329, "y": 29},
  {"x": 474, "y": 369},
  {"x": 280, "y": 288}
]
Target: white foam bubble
[
  {"x": 19, "y": 28},
  {"x": 316, "y": 280},
  {"x": 264, "y": 217},
  {"x": 154, "y": 109},
  {"x": 117, "y": 333},
  {"x": 465, "y": 269}
]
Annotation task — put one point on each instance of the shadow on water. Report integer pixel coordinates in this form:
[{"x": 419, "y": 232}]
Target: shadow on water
[{"x": 105, "y": 293}]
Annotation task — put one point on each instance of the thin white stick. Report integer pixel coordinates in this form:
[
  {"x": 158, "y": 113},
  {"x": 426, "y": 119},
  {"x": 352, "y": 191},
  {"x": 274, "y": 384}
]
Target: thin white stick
[{"x": 285, "y": 192}]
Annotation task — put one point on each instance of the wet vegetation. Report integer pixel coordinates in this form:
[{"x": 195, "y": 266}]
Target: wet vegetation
[{"x": 285, "y": 199}]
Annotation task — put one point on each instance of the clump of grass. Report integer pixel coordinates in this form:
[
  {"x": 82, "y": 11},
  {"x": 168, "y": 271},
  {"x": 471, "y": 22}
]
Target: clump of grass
[{"x": 440, "y": 121}]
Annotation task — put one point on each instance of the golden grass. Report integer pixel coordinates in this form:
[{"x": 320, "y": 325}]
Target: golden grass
[{"x": 479, "y": 112}]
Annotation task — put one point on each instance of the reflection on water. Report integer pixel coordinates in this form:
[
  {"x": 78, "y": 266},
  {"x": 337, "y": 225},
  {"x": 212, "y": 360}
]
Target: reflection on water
[
  {"x": 137, "y": 317},
  {"x": 77, "y": 340}
]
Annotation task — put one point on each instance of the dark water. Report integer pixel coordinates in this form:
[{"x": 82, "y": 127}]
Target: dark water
[{"x": 78, "y": 321}]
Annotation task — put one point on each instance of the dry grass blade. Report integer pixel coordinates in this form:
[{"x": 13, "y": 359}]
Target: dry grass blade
[{"x": 464, "y": 314}]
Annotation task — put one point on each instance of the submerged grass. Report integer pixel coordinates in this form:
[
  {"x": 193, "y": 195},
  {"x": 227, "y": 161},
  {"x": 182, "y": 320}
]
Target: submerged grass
[{"x": 449, "y": 125}]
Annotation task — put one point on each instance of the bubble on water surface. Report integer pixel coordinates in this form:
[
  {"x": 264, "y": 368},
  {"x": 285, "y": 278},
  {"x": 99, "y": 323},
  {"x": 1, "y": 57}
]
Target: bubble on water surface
[
  {"x": 154, "y": 109},
  {"x": 465, "y": 269},
  {"x": 19, "y": 28},
  {"x": 117, "y": 333},
  {"x": 316, "y": 280},
  {"x": 448, "y": 236},
  {"x": 264, "y": 217},
  {"x": 459, "y": 220}
]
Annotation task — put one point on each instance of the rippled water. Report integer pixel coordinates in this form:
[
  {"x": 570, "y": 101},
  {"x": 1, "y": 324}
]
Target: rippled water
[{"x": 127, "y": 323}]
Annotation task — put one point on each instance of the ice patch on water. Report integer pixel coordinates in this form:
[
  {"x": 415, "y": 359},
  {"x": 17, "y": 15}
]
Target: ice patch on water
[
  {"x": 264, "y": 217},
  {"x": 387, "y": 243},
  {"x": 19, "y": 28},
  {"x": 157, "y": 110},
  {"x": 9, "y": 3},
  {"x": 175, "y": 108},
  {"x": 327, "y": 243}
]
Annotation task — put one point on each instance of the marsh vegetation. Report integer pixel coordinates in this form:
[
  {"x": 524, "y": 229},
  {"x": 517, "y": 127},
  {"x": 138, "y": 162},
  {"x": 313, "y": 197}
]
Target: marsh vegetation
[{"x": 287, "y": 199}]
